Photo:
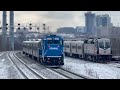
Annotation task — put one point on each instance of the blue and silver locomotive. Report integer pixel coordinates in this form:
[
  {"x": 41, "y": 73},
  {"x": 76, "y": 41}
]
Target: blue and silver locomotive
[{"x": 48, "y": 50}]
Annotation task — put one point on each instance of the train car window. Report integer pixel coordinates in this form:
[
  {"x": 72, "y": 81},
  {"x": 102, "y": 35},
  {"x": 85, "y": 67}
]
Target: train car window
[
  {"x": 67, "y": 46},
  {"x": 79, "y": 47},
  {"x": 73, "y": 46}
]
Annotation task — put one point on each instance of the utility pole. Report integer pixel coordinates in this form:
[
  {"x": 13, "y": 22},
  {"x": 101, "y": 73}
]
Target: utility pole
[
  {"x": 4, "y": 31},
  {"x": 11, "y": 32}
]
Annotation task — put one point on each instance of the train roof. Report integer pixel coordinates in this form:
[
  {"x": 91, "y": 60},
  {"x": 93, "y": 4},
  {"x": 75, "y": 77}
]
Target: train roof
[
  {"x": 105, "y": 39},
  {"x": 50, "y": 36},
  {"x": 27, "y": 41},
  {"x": 78, "y": 42},
  {"x": 81, "y": 42},
  {"x": 31, "y": 41}
]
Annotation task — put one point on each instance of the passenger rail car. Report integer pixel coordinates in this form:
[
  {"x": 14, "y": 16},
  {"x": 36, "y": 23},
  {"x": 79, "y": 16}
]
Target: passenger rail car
[
  {"x": 48, "y": 50},
  {"x": 74, "y": 48},
  {"x": 91, "y": 49}
]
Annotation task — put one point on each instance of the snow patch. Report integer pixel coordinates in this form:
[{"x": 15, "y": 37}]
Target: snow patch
[{"x": 91, "y": 69}]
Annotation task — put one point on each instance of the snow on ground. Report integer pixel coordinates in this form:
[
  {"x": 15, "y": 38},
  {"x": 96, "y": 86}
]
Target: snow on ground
[
  {"x": 7, "y": 69},
  {"x": 8, "y": 72},
  {"x": 91, "y": 69},
  {"x": 86, "y": 68}
]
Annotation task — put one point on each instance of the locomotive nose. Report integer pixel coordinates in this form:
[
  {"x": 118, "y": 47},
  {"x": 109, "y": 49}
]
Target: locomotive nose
[{"x": 54, "y": 50}]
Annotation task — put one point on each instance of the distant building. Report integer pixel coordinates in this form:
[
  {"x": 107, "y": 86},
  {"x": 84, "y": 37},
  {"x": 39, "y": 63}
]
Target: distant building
[
  {"x": 111, "y": 32},
  {"x": 103, "y": 21},
  {"x": 80, "y": 29},
  {"x": 115, "y": 32},
  {"x": 90, "y": 22},
  {"x": 98, "y": 21},
  {"x": 103, "y": 32},
  {"x": 66, "y": 30}
]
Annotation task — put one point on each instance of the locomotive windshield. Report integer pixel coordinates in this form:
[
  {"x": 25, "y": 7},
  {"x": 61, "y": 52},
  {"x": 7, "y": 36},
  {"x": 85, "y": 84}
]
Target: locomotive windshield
[
  {"x": 107, "y": 45},
  {"x": 55, "y": 42},
  {"x": 50, "y": 41},
  {"x": 101, "y": 44},
  {"x": 104, "y": 44}
]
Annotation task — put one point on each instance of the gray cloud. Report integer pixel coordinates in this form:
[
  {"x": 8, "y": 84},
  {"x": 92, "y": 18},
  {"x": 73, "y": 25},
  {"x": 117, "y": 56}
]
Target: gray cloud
[
  {"x": 57, "y": 19},
  {"x": 59, "y": 14}
]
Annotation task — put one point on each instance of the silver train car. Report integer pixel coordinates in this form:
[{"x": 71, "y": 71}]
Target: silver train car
[
  {"x": 31, "y": 48},
  {"x": 98, "y": 50},
  {"x": 74, "y": 48}
]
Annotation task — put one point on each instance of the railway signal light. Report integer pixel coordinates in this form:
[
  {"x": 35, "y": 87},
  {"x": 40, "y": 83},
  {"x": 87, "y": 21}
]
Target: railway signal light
[
  {"x": 19, "y": 28},
  {"x": 44, "y": 24},
  {"x": 38, "y": 28},
  {"x": 30, "y": 28}
]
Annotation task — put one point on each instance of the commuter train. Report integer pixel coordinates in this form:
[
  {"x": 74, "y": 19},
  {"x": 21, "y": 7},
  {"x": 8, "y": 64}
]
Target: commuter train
[
  {"x": 98, "y": 50},
  {"x": 48, "y": 50}
]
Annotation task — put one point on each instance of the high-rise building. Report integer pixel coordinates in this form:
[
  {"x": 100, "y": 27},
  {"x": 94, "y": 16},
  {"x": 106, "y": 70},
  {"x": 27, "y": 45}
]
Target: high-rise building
[
  {"x": 90, "y": 22},
  {"x": 103, "y": 20},
  {"x": 98, "y": 21}
]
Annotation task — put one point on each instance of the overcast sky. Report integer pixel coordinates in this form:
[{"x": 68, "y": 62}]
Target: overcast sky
[{"x": 56, "y": 19}]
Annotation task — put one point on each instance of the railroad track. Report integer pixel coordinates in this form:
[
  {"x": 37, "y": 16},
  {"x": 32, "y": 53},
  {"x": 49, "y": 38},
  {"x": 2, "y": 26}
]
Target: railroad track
[
  {"x": 69, "y": 74},
  {"x": 65, "y": 73},
  {"x": 32, "y": 74},
  {"x": 47, "y": 69},
  {"x": 1, "y": 53}
]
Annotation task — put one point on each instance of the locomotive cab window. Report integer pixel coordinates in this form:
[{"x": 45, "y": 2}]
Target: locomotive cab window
[
  {"x": 50, "y": 42},
  {"x": 107, "y": 45},
  {"x": 56, "y": 42},
  {"x": 101, "y": 44}
]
